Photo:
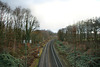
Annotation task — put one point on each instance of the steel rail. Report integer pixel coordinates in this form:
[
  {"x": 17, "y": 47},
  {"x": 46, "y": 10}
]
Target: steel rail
[
  {"x": 49, "y": 58},
  {"x": 56, "y": 58},
  {"x": 61, "y": 65}
]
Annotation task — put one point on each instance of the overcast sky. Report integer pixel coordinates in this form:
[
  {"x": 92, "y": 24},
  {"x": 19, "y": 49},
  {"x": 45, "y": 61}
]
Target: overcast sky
[{"x": 56, "y": 14}]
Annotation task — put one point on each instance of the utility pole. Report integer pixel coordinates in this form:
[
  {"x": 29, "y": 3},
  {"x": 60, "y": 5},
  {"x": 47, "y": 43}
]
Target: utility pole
[
  {"x": 74, "y": 38},
  {"x": 25, "y": 53},
  {"x": 25, "y": 42},
  {"x": 26, "y": 47}
]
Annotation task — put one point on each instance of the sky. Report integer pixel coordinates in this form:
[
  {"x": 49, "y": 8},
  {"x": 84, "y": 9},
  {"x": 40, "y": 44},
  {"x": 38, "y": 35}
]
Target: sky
[{"x": 56, "y": 14}]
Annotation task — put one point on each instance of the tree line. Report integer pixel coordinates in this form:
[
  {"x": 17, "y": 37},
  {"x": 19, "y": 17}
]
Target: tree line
[
  {"x": 88, "y": 30},
  {"x": 17, "y": 25},
  {"x": 83, "y": 32}
]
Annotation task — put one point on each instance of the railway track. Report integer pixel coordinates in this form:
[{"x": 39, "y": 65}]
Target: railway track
[{"x": 49, "y": 57}]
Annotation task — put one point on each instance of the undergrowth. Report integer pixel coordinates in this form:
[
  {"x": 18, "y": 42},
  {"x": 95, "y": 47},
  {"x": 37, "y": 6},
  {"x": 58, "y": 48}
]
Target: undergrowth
[
  {"x": 78, "y": 58},
  {"x": 7, "y": 60}
]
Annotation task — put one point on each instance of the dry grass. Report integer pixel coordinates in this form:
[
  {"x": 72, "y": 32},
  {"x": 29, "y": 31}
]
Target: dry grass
[{"x": 36, "y": 60}]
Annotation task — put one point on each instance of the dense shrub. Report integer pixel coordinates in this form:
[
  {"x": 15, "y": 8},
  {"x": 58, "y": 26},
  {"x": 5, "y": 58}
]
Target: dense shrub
[
  {"x": 77, "y": 58},
  {"x": 7, "y": 60}
]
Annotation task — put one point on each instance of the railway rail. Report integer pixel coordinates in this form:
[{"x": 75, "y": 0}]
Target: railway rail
[{"x": 49, "y": 58}]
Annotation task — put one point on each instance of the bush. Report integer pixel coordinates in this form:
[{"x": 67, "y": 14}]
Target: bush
[
  {"x": 7, "y": 60},
  {"x": 78, "y": 58},
  {"x": 83, "y": 60}
]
